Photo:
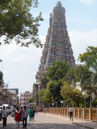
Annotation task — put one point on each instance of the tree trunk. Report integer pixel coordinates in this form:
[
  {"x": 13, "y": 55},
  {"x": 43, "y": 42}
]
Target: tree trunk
[{"x": 90, "y": 101}]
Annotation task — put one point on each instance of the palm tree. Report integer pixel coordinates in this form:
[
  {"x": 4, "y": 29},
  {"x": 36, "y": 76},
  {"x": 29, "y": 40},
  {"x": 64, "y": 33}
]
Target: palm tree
[{"x": 89, "y": 79}]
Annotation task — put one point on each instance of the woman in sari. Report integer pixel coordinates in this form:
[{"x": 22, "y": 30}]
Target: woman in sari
[{"x": 30, "y": 113}]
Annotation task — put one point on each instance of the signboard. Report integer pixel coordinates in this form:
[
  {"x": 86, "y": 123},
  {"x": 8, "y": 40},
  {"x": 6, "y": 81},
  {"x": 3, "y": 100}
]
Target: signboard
[
  {"x": 13, "y": 91},
  {"x": 14, "y": 98}
]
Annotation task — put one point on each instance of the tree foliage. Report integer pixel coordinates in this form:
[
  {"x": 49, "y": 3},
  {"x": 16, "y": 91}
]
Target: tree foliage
[
  {"x": 68, "y": 92},
  {"x": 75, "y": 74},
  {"x": 89, "y": 79},
  {"x": 90, "y": 59},
  {"x": 70, "y": 76},
  {"x": 54, "y": 87},
  {"x": 32, "y": 100},
  {"x": 43, "y": 79},
  {"x": 90, "y": 52},
  {"x": 16, "y": 22},
  {"x": 57, "y": 70},
  {"x": 45, "y": 96}
]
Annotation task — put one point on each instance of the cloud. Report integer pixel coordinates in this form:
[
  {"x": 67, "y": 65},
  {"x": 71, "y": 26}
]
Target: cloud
[
  {"x": 88, "y": 1},
  {"x": 20, "y": 65},
  {"x": 80, "y": 40}
]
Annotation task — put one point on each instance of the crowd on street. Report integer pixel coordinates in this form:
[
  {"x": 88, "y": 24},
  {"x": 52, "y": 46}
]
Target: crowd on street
[{"x": 19, "y": 114}]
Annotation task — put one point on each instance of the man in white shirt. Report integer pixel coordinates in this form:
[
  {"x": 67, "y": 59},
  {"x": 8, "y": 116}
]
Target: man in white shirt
[
  {"x": 4, "y": 116},
  {"x": 25, "y": 115},
  {"x": 71, "y": 113}
]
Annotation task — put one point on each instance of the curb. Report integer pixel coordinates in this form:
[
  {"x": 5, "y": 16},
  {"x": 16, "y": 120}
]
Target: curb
[
  {"x": 83, "y": 125},
  {"x": 77, "y": 124}
]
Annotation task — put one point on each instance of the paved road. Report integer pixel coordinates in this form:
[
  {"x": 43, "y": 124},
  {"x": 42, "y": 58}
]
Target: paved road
[{"x": 42, "y": 122}]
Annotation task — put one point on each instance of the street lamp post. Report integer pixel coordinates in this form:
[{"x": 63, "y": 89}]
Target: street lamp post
[
  {"x": 53, "y": 104},
  {"x": 56, "y": 104},
  {"x": 90, "y": 100},
  {"x": 61, "y": 103},
  {"x": 85, "y": 100}
]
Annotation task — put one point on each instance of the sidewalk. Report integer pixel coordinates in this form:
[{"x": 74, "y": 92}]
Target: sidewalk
[{"x": 80, "y": 122}]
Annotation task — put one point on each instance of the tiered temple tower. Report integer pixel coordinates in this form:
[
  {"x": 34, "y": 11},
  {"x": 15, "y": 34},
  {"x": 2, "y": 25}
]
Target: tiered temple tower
[{"x": 57, "y": 45}]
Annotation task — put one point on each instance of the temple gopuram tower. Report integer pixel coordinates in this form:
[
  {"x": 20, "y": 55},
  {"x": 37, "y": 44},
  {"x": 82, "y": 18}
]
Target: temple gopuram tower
[{"x": 57, "y": 45}]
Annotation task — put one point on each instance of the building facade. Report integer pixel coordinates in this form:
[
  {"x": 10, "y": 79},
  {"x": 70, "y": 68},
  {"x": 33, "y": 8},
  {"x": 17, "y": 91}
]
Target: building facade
[
  {"x": 57, "y": 45},
  {"x": 24, "y": 98}
]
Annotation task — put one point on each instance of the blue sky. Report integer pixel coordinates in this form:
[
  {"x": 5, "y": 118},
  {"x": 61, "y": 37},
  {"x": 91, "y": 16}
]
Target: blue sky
[{"x": 21, "y": 64}]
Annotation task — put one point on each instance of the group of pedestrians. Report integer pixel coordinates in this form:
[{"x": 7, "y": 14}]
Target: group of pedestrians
[{"x": 19, "y": 115}]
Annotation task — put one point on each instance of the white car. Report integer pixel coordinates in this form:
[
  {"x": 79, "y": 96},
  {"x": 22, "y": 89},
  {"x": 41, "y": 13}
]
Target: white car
[
  {"x": 11, "y": 109},
  {"x": 8, "y": 109}
]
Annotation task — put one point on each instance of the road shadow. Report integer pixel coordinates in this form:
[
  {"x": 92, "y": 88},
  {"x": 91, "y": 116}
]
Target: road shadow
[{"x": 43, "y": 126}]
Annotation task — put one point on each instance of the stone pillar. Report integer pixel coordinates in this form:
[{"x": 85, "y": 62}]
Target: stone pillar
[
  {"x": 67, "y": 111},
  {"x": 78, "y": 112},
  {"x": 83, "y": 113},
  {"x": 62, "y": 111},
  {"x": 74, "y": 112}
]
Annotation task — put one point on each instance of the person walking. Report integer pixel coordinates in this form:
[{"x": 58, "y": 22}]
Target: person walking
[
  {"x": 21, "y": 113},
  {"x": 25, "y": 115},
  {"x": 44, "y": 110},
  {"x": 17, "y": 116},
  {"x": 33, "y": 114},
  {"x": 4, "y": 116},
  {"x": 71, "y": 113},
  {"x": 30, "y": 113}
]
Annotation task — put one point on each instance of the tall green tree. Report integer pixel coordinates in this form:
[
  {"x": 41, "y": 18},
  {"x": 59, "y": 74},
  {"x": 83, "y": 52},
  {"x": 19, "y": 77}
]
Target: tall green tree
[
  {"x": 32, "y": 100},
  {"x": 54, "y": 87},
  {"x": 57, "y": 70},
  {"x": 16, "y": 22},
  {"x": 45, "y": 96},
  {"x": 68, "y": 92},
  {"x": 90, "y": 52},
  {"x": 89, "y": 79},
  {"x": 70, "y": 76},
  {"x": 75, "y": 74},
  {"x": 44, "y": 80}
]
